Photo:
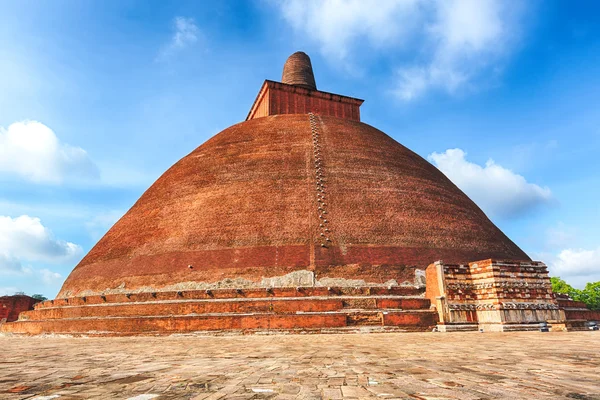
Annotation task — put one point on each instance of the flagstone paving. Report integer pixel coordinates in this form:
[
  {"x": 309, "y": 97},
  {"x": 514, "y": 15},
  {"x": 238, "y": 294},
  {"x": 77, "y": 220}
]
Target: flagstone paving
[{"x": 520, "y": 365}]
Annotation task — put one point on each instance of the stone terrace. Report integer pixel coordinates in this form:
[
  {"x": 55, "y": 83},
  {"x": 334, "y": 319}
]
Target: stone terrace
[{"x": 468, "y": 365}]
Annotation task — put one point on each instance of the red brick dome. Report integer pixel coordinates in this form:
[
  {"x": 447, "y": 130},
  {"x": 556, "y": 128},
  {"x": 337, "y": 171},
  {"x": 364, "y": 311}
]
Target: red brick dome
[{"x": 282, "y": 194}]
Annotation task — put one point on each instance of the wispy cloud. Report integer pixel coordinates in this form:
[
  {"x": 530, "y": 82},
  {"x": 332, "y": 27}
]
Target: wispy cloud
[
  {"x": 560, "y": 236},
  {"x": 447, "y": 44},
  {"x": 10, "y": 265},
  {"x": 577, "y": 266},
  {"x": 562, "y": 250},
  {"x": 498, "y": 191},
  {"x": 31, "y": 150},
  {"x": 25, "y": 238},
  {"x": 466, "y": 37},
  {"x": 336, "y": 25},
  {"x": 185, "y": 34},
  {"x": 50, "y": 277}
]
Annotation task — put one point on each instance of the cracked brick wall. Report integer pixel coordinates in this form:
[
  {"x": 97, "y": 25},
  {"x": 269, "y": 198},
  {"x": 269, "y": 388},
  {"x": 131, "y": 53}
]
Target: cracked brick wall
[{"x": 12, "y": 306}]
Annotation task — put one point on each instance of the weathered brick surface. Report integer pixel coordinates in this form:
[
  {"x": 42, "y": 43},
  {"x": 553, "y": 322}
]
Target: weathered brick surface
[
  {"x": 243, "y": 205},
  {"x": 277, "y": 98},
  {"x": 493, "y": 293},
  {"x": 186, "y": 307},
  {"x": 310, "y": 309},
  {"x": 12, "y": 306},
  {"x": 576, "y": 310},
  {"x": 298, "y": 71},
  {"x": 417, "y": 320},
  {"x": 170, "y": 324},
  {"x": 230, "y": 294}
]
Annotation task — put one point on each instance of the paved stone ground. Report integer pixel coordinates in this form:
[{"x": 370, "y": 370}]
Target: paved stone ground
[{"x": 521, "y": 365}]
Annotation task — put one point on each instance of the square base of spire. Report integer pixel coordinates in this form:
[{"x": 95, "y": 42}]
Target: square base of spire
[{"x": 277, "y": 98}]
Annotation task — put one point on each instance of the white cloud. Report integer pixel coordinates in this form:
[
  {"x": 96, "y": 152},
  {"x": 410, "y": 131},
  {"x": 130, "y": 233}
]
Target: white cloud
[
  {"x": 467, "y": 25},
  {"x": 337, "y": 24},
  {"x": 10, "y": 265},
  {"x": 25, "y": 238},
  {"x": 31, "y": 150},
  {"x": 50, "y": 277},
  {"x": 560, "y": 236},
  {"x": 412, "y": 82},
  {"x": 576, "y": 266},
  {"x": 497, "y": 190},
  {"x": 466, "y": 37},
  {"x": 8, "y": 291},
  {"x": 452, "y": 42},
  {"x": 185, "y": 33}
]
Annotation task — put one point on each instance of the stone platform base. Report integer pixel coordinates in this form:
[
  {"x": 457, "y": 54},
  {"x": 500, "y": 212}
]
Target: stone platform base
[
  {"x": 493, "y": 295},
  {"x": 457, "y": 327},
  {"x": 303, "y": 309},
  {"x": 510, "y": 327},
  {"x": 570, "y": 325},
  {"x": 492, "y": 327}
]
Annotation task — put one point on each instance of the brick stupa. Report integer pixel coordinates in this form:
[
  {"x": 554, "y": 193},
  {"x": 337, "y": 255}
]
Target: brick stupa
[{"x": 299, "y": 218}]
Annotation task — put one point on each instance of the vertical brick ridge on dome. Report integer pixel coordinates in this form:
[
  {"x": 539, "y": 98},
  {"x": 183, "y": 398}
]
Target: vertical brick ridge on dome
[
  {"x": 324, "y": 232},
  {"x": 298, "y": 71}
]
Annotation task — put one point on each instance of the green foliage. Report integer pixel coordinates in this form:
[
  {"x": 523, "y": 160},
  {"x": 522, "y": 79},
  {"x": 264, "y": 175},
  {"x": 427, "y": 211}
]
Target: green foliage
[
  {"x": 560, "y": 286},
  {"x": 590, "y": 295},
  {"x": 40, "y": 297}
]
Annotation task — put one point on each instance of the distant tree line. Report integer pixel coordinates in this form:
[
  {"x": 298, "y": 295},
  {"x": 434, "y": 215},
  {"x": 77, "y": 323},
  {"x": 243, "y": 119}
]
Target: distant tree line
[
  {"x": 40, "y": 297},
  {"x": 590, "y": 295}
]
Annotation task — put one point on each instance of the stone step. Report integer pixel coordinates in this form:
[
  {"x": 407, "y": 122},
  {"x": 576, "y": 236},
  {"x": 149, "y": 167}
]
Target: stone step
[
  {"x": 362, "y": 319},
  {"x": 242, "y": 305},
  {"x": 413, "y": 320},
  {"x": 301, "y": 292}
]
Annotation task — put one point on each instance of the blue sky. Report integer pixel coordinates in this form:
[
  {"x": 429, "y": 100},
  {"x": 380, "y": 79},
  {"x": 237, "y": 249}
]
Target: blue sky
[{"x": 98, "y": 98}]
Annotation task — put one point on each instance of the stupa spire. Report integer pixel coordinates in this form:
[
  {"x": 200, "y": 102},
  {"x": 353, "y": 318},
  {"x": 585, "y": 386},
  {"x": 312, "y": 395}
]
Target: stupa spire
[
  {"x": 298, "y": 71},
  {"x": 297, "y": 93}
]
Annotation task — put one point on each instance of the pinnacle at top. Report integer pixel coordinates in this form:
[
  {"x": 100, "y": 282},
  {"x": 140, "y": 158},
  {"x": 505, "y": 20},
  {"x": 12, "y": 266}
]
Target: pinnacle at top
[
  {"x": 298, "y": 71},
  {"x": 297, "y": 93}
]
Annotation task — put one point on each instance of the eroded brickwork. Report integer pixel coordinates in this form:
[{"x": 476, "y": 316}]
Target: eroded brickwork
[
  {"x": 298, "y": 71},
  {"x": 301, "y": 309},
  {"x": 576, "y": 313},
  {"x": 12, "y": 306},
  {"x": 492, "y": 295}
]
